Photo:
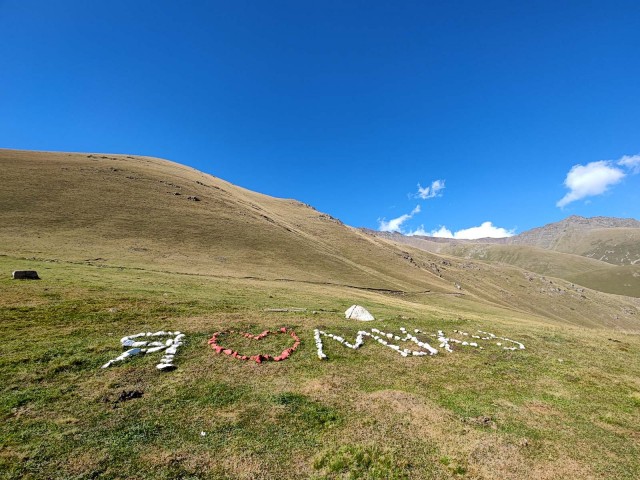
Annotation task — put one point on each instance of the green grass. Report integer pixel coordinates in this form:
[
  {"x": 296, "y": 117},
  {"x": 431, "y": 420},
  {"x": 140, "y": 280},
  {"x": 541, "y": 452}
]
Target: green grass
[
  {"x": 360, "y": 461},
  {"x": 620, "y": 280},
  {"x": 590, "y": 272},
  {"x": 119, "y": 253},
  {"x": 567, "y": 406}
]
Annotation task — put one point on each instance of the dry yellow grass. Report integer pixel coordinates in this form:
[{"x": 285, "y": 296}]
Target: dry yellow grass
[{"x": 120, "y": 210}]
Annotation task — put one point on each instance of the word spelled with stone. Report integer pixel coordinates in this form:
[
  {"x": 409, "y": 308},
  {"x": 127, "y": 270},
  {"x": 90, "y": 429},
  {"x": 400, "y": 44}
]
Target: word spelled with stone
[
  {"x": 387, "y": 340},
  {"x": 142, "y": 343},
  {"x": 491, "y": 336},
  {"x": 380, "y": 337}
]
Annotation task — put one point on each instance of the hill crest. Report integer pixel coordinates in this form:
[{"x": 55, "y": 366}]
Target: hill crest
[{"x": 122, "y": 211}]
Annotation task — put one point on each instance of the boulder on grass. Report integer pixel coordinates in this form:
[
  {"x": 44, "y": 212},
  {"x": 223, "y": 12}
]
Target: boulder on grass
[
  {"x": 357, "y": 312},
  {"x": 25, "y": 275}
]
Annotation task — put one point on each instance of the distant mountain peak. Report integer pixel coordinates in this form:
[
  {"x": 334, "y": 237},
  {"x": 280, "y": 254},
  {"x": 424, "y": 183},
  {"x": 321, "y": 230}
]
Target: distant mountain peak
[
  {"x": 592, "y": 222},
  {"x": 563, "y": 234}
]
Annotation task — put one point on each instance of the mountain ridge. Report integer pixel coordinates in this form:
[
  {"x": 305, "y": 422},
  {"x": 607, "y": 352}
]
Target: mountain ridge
[
  {"x": 125, "y": 211},
  {"x": 550, "y": 235},
  {"x": 598, "y": 252}
]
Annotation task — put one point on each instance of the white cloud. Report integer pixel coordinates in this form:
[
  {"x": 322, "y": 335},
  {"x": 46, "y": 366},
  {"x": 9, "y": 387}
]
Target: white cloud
[
  {"x": 589, "y": 180},
  {"x": 430, "y": 191},
  {"x": 595, "y": 178},
  {"x": 632, "y": 162},
  {"x": 419, "y": 231},
  {"x": 394, "y": 224},
  {"x": 442, "y": 232},
  {"x": 485, "y": 230}
]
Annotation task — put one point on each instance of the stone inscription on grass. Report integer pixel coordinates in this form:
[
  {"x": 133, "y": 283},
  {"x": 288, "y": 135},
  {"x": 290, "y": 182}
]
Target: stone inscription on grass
[
  {"x": 144, "y": 343},
  {"x": 259, "y": 358},
  {"x": 424, "y": 348}
]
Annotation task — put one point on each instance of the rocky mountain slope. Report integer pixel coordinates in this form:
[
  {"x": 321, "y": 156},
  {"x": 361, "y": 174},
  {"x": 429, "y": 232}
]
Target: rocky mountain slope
[
  {"x": 613, "y": 240},
  {"x": 602, "y": 253},
  {"x": 566, "y": 231}
]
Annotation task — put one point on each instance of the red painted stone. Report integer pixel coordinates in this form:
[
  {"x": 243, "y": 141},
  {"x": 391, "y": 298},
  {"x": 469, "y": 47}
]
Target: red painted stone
[{"x": 257, "y": 358}]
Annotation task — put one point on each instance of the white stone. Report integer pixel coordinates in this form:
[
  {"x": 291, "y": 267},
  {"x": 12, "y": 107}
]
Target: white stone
[
  {"x": 155, "y": 349},
  {"x": 131, "y": 353},
  {"x": 152, "y": 347},
  {"x": 357, "y": 312}
]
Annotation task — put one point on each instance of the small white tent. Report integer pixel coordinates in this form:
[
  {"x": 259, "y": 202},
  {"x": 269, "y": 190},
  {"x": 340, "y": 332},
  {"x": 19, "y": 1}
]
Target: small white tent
[{"x": 356, "y": 312}]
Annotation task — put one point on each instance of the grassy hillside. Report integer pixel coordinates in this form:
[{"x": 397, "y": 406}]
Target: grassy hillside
[
  {"x": 490, "y": 414},
  {"x": 119, "y": 253},
  {"x": 613, "y": 240},
  {"x": 618, "y": 246},
  {"x": 600, "y": 275},
  {"x": 600, "y": 238},
  {"x": 125, "y": 211},
  {"x": 544, "y": 262},
  {"x": 622, "y": 280},
  {"x": 136, "y": 211},
  {"x": 584, "y": 271}
]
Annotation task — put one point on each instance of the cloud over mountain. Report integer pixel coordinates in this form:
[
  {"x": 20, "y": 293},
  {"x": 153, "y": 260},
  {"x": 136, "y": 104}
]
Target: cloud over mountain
[
  {"x": 485, "y": 230},
  {"x": 395, "y": 224}
]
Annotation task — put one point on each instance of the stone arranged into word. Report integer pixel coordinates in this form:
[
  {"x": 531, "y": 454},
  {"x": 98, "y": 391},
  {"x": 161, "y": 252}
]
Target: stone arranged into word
[
  {"x": 491, "y": 336},
  {"x": 379, "y": 336},
  {"x": 286, "y": 353},
  {"x": 141, "y": 343},
  {"x": 386, "y": 339}
]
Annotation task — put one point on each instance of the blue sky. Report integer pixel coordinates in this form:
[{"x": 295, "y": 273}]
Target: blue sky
[{"x": 346, "y": 105}]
